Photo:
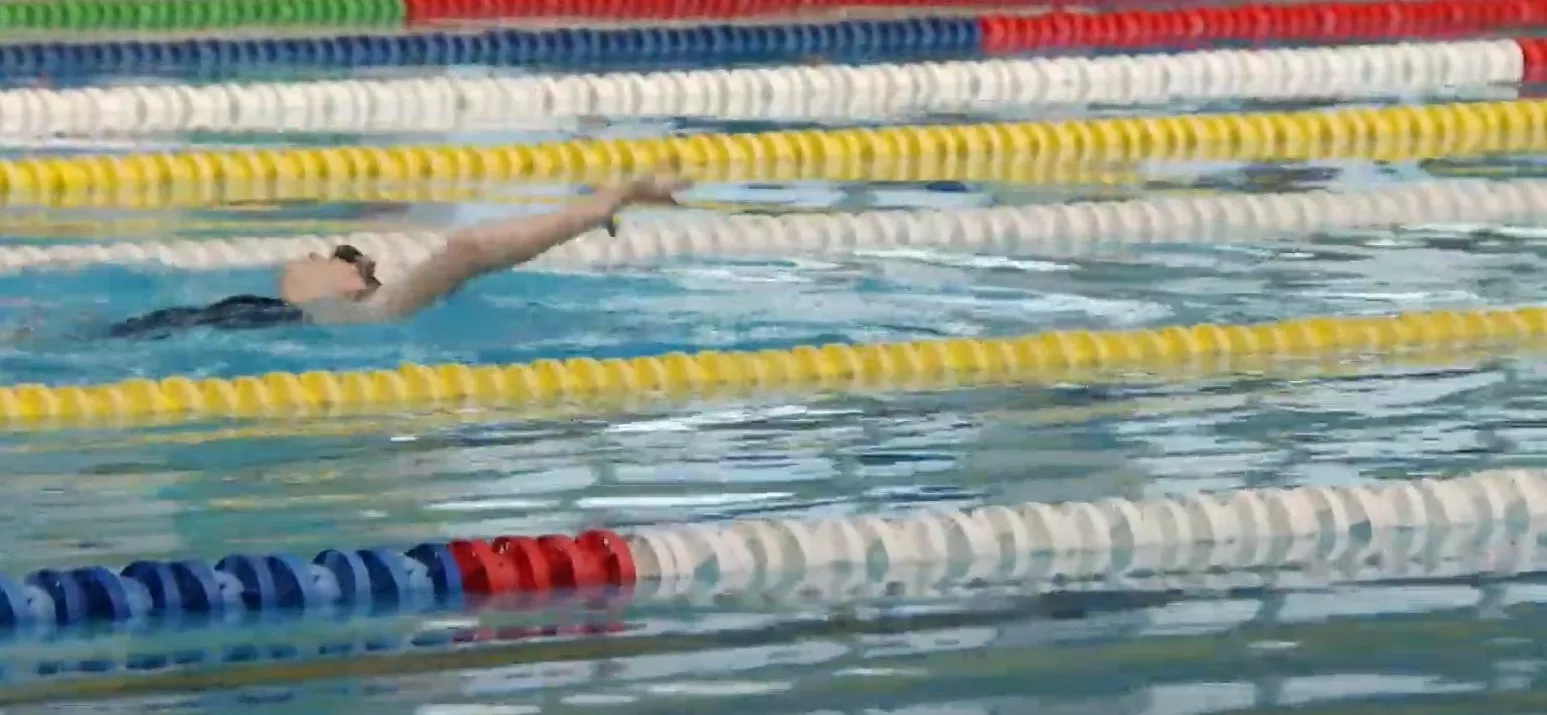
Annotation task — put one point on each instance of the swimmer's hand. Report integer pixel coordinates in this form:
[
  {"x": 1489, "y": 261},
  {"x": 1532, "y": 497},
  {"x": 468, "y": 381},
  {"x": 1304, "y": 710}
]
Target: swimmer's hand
[{"x": 654, "y": 189}]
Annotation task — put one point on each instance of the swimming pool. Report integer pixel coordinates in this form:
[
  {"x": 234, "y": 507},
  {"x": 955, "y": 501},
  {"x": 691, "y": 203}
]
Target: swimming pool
[{"x": 1435, "y": 615}]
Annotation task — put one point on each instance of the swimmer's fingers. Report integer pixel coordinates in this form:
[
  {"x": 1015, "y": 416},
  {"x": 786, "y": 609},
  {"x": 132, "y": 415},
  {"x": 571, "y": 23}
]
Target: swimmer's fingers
[{"x": 656, "y": 188}]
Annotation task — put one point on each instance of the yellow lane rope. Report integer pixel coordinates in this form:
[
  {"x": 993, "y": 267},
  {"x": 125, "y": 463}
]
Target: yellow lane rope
[
  {"x": 1026, "y": 152},
  {"x": 255, "y": 200},
  {"x": 891, "y": 366},
  {"x": 341, "y": 423}
]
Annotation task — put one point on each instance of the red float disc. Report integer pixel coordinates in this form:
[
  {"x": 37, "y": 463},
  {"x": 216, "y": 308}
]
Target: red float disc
[
  {"x": 994, "y": 33},
  {"x": 573, "y": 567},
  {"x": 533, "y": 569},
  {"x": 1058, "y": 29},
  {"x": 1192, "y": 26},
  {"x": 483, "y": 570},
  {"x": 613, "y": 553}
]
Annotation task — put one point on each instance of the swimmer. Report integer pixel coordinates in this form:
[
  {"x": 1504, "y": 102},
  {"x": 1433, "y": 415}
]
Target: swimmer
[{"x": 342, "y": 287}]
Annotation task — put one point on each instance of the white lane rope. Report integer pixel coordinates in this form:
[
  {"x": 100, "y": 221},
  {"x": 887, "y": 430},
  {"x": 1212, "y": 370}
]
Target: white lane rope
[
  {"x": 1054, "y": 230},
  {"x": 455, "y": 103},
  {"x": 1422, "y": 528}
]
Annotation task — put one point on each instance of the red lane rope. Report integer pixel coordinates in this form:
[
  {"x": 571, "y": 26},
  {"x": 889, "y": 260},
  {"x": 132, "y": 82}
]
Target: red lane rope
[
  {"x": 428, "y": 11},
  {"x": 1191, "y": 25},
  {"x": 1311, "y": 22}
]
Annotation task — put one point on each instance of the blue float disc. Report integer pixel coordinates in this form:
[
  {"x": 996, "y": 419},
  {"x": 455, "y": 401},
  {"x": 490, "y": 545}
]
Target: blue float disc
[
  {"x": 418, "y": 589},
  {"x": 40, "y": 604},
  {"x": 197, "y": 587},
  {"x": 258, "y": 592},
  {"x": 389, "y": 582},
  {"x": 445, "y": 574},
  {"x": 138, "y": 597},
  {"x": 166, "y": 595},
  {"x": 417, "y": 574},
  {"x": 106, "y": 598},
  {"x": 324, "y": 585},
  {"x": 354, "y": 582},
  {"x": 69, "y": 601},
  {"x": 14, "y": 610},
  {"x": 232, "y": 593},
  {"x": 293, "y": 585}
]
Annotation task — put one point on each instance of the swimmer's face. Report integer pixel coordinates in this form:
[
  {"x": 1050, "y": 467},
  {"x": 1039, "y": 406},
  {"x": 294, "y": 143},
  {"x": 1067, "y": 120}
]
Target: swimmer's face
[{"x": 345, "y": 274}]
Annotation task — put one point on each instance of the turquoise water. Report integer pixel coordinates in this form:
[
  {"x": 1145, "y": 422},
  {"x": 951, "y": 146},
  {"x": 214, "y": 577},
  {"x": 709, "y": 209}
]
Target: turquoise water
[{"x": 1343, "y": 640}]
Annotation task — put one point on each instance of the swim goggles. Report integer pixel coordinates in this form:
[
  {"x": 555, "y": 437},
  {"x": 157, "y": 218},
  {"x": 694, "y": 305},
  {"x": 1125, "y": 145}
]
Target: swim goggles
[{"x": 363, "y": 263}]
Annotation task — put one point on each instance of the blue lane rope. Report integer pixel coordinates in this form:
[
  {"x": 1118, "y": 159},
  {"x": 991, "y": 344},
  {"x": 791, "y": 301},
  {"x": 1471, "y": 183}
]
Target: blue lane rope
[
  {"x": 426, "y": 576},
  {"x": 724, "y": 44},
  {"x": 430, "y": 576}
]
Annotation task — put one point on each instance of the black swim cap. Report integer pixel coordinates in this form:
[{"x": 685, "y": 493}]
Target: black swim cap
[
  {"x": 351, "y": 255},
  {"x": 347, "y": 253}
]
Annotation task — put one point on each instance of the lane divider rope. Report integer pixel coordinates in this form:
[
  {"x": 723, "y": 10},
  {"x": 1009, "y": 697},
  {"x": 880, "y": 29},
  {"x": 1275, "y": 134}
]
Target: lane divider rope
[
  {"x": 164, "y": 15},
  {"x": 1038, "y": 543},
  {"x": 432, "y": 11},
  {"x": 1145, "y": 545},
  {"x": 1423, "y": 360},
  {"x": 857, "y": 40},
  {"x": 882, "y": 366},
  {"x": 1049, "y": 230},
  {"x": 265, "y": 197},
  {"x": 936, "y": 152},
  {"x": 1270, "y": 22},
  {"x": 242, "y": 194},
  {"x": 882, "y": 91},
  {"x": 1269, "y": 370},
  {"x": 1430, "y": 554},
  {"x": 160, "y": 15},
  {"x": 861, "y": 41}
]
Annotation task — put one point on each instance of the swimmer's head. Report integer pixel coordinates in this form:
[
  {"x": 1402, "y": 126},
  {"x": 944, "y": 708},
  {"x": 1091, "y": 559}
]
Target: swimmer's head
[{"x": 346, "y": 273}]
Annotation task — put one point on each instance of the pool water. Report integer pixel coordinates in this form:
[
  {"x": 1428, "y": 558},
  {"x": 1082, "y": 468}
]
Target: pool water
[{"x": 1338, "y": 640}]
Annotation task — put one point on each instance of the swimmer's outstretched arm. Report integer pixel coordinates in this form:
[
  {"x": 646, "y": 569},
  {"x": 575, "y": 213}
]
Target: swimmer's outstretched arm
[{"x": 488, "y": 248}]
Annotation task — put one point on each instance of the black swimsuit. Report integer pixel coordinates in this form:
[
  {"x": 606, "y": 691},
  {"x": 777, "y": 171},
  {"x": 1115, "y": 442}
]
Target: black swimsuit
[{"x": 241, "y": 312}]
